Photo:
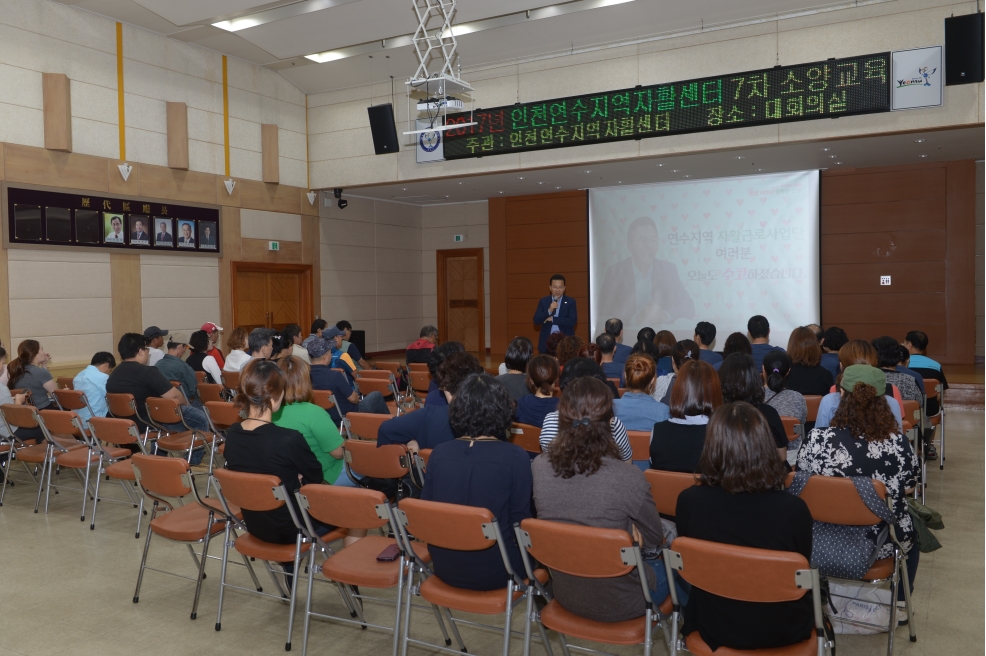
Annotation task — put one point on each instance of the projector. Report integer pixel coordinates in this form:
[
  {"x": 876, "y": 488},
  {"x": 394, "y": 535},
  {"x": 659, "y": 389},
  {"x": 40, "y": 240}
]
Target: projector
[{"x": 437, "y": 104}]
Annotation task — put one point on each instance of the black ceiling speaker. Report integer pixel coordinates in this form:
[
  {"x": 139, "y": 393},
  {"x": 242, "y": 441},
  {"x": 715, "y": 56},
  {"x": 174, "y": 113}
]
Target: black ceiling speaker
[
  {"x": 383, "y": 128},
  {"x": 964, "y": 49}
]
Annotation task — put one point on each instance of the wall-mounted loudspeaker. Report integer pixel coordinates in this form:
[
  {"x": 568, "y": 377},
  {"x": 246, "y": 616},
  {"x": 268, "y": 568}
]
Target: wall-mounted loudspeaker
[
  {"x": 964, "y": 49},
  {"x": 383, "y": 128}
]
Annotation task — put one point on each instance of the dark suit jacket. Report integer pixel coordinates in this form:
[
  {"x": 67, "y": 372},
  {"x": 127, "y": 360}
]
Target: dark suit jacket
[
  {"x": 163, "y": 236},
  {"x": 567, "y": 317},
  {"x": 139, "y": 236},
  {"x": 619, "y": 299}
]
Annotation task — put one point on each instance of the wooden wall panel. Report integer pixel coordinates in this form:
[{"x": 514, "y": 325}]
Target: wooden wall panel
[
  {"x": 255, "y": 250},
  {"x": 915, "y": 223},
  {"x": 270, "y": 197},
  {"x": 178, "y": 135},
  {"x": 57, "y": 92},
  {"x": 311, "y": 254},
  {"x": 534, "y": 285},
  {"x": 499, "y": 328},
  {"x": 49, "y": 167},
  {"x": 190, "y": 186},
  {"x": 570, "y": 233},
  {"x": 127, "y": 305},
  {"x": 230, "y": 248},
  {"x": 270, "y": 159}
]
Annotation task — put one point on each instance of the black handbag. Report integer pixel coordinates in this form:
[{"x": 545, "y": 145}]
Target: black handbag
[{"x": 847, "y": 552}]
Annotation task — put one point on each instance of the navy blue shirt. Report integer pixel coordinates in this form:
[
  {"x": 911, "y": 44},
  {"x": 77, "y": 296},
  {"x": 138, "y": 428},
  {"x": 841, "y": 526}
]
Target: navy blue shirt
[
  {"x": 435, "y": 396},
  {"x": 429, "y": 426},
  {"x": 621, "y": 353},
  {"x": 760, "y": 350},
  {"x": 324, "y": 378},
  {"x": 705, "y": 355},
  {"x": 483, "y": 474},
  {"x": 615, "y": 369},
  {"x": 531, "y": 409},
  {"x": 831, "y": 362}
]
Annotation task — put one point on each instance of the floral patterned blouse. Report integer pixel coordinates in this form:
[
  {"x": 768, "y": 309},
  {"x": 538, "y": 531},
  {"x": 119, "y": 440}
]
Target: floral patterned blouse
[{"x": 834, "y": 452}]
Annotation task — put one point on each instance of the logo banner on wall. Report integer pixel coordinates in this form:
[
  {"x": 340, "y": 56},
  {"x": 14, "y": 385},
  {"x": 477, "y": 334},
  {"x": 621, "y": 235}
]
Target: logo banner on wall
[
  {"x": 430, "y": 147},
  {"x": 916, "y": 77}
]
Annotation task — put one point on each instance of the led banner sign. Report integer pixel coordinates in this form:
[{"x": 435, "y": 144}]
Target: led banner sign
[{"x": 828, "y": 89}]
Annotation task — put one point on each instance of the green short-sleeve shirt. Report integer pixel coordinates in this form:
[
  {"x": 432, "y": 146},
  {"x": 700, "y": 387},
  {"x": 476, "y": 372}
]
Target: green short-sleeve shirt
[{"x": 321, "y": 434}]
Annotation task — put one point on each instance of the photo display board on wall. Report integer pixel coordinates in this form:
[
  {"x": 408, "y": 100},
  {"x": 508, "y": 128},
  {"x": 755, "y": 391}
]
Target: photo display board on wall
[
  {"x": 826, "y": 89},
  {"x": 87, "y": 221}
]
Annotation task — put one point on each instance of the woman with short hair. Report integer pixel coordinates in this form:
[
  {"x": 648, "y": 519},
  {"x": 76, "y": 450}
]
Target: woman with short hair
[
  {"x": 582, "y": 480},
  {"x": 807, "y": 376},
  {"x": 637, "y": 409},
  {"x": 258, "y": 446},
  {"x": 542, "y": 382},
  {"x": 853, "y": 352},
  {"x": 735, "y": 343},
  {"x": 665, "y": 342},
  {"x": 865, "y": 440},
  {"x": 569, "y": 348},
  {"x": 238, "y": 355},
  {"x": 681, "y": 352},
  {"x": 676, "y": 444},
  {"x": 519, "y": 353},
  {"x": 742, "y": 381},
  {"x": 480, "y": 469},
  {"x": 200, "y": 360},
  {"x": 741, "y": 501}
]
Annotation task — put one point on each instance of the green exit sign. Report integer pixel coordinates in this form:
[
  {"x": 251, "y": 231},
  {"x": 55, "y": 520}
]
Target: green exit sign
[{"x": 273, "y": 245}]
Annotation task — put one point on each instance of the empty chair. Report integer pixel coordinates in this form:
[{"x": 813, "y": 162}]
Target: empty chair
[
  {"x": 168, "y": 412},
  {"x": 365, "y": 458},
  {"x": 363, "y": 425},
  {"x": 358, "y": 564},
  {"x": 26, "y": 417},
  {"x": 665, "y": 487},
  {"x": 65, "y": 451},
  {"x": 462, "y": 528},
  {"x": 72, "y": 399},
  {"x": 118, "y": 433},
  {"x": 640, "y": 445},
  {"x": 751, "y": 575},
  {"x": 210, "y": 391},
  {"x": 394, "y": 368},
  {"x": 200, "y": 377},
  {"x": 325, "y": 400},
  {"x": 231, "y": 380},
  {"x": 793, "y": 428},
  {"x": 382, "y": 374},
  {"x": 123, "y": 406},
  {"x": 418, "y": 367},
  {"x": 160, "y": 479},
  {"x": 65, "y": 382}
]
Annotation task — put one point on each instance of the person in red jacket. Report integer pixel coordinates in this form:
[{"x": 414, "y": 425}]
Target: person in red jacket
[{"x": 420, "y": 350}]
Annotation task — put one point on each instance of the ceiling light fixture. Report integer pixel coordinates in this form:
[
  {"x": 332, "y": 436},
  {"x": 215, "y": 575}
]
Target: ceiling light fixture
[
  {"x": 277, "y": 13},
  {"x": 660, "y": 164},
  {"x": 923, "y": 155},
  {"x": 740, "y": 157},
  {"x": 675, "y": 170},
  {"x": 832, "y": 156},
  {"x": 687, "y": 176},
  {"x": 521, "y": 178},
  {"x": 825, "y": 150},
  {"x": 588, "y": 171},
  {"x": 557, "y": 187},
  {"x": 920, "y": 140},
  {"x": 838, "y": 162}
]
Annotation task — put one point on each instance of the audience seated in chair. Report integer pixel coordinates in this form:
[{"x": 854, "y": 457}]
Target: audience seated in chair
[
  {"x": 173, "y": 367},
  {"x": 742, "y": 380},
  {"x": 480, "y": 469},
  {"x": 212, "y": 333},
  {"x": 260, "y": 345},
  {"x": 29, "y": 371},
  {"x": 202, "y": 359},
  {"x": 607, "y": 352},
  {"x": 664, "y": 340},
  {"x": 19, "y": 399},
  {"x": 585, "y": 368},
  {"x": 903, "y": 360},
  {"x": 323, "y": 377},
  {"x": 238, "y": 344},
  {"x": 808, "y": 376},
  {"x": 569, "y": 348},
  {"x": 614, "y": 328},
  {"x": 676, "y": 444},
  {"x": 864, "y": 440},
  {"x": 758, "y": 330},
  {"x": 681, "y": 353},
  {"x": 317, "y": 326},
  {"x": 91, "y": 381},
  {"x": 518, "y": 354},
  {"x": 637, "y": 408},
  {"x": 551, "y": 345},
  {"x": 856, "y": 351},
  {"x": 155, "y": 340},
  {"x": 787, "y": 402},
  {"x": 741, "y": 501},
  {"x": 887, "y": 355},
  {"x": 583, "y": 480},
  {"x": 542, "y": 382},
  {"x": 348, "y": 347},
  {"x": 833, "y": 339},
  {"x": 735, "y": 343},
  {"x": 292, "y": 333},
  {"x": 420, "y": 350},
  {"x": 429, "y": 426},
  {"x": 438, "y": 355},
  {"x": 705, "y": 335}
]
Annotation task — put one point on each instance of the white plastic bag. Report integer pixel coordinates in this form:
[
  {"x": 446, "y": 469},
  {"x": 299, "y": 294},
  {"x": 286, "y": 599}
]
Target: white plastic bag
[{"x": 860, "y": 603}]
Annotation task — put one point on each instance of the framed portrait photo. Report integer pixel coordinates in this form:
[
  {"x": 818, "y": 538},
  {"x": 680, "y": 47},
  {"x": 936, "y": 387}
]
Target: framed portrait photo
[
  {"x": 207, "y": 235},
  {"x": 140, "y": 227},
  {"x": 186, "y": 234},
  {"x": 164, "y": 232},
  {"x": 113, "y": 229}
]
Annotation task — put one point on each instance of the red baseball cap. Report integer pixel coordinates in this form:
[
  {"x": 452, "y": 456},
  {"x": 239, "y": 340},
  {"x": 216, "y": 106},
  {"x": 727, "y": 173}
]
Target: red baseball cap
[{"x": 210, "y": 327}]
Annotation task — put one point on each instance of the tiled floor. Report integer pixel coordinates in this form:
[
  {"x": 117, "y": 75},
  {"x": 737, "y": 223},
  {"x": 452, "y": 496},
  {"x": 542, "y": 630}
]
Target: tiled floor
[{"x": 67, "y": 590}]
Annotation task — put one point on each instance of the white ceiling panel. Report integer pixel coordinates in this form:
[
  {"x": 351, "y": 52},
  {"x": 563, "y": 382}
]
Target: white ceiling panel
[{"x": 186, "y": 12}]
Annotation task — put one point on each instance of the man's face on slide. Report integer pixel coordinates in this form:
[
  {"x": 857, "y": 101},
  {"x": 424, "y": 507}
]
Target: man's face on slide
[{"x": 643, "y": 242}]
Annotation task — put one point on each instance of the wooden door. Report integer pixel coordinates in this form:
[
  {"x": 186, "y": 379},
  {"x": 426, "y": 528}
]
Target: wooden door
[
  {"x": 271, "y": 295},
  {"x": 461, "y": 296}
]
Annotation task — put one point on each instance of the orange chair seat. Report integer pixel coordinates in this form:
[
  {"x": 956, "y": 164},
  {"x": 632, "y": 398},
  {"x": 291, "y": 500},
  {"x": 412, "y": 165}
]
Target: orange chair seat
[
  {"x": 357, "y": 564},
  {"x": 628, "y": 632},
  {"x": 68, "y": 442},
  {"x": 76, "y": 458},
  {"x": 188, "y": 523},
  {"x": 935, "y": 420},
  {"x": 121, "y": 470},
  {"x": 35, "y": 454},
  {"x": 489, "y": 602},
  {"x": 906, "y": 425},
  {"x": 252, "y": 547},
  {"x": 179, "y": 441},
  {"x": 882, "y": 569},
  {"x": 697, "y": 647}
]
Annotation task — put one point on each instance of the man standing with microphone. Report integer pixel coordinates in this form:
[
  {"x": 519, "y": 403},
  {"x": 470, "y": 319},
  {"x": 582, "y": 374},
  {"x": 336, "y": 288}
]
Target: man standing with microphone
[{"x": 556, "y": 312}]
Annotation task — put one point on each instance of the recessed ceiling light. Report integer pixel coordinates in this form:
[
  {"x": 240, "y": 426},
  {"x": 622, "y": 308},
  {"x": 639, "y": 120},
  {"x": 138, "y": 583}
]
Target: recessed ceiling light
[
  {"x": 832, "y": 156},
  {"x": 557, "y": 187},
  {"x": 460, "y": 183},
  {"x": 521, "y": 178},
  {"x": 825, "y": 150},
  {"x": 499, "y": 192},
  {"x": 920, "y": 140},
  {"x": 838, "y": 162},
  {"x": 660, "y": 164},
  {"x": 619, "y": 182},
  {"x": 688, "y": 176},
  {"x": 923, "y": 155},
  {"x": 540, "y": 183},
  {"x": 675, "y": 170},
  {"x": 405, "y": 188},
  {"x": 759, "y": 170},
  {"x": 740, "y": 157},
  {"x": 588, "y": 171}
]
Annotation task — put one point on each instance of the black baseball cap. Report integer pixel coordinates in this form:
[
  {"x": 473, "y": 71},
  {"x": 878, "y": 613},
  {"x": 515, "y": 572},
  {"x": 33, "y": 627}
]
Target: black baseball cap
[{"x": 153, "y": 331}]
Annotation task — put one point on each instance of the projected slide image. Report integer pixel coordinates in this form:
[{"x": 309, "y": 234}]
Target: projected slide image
[{"x": 669, "y": 255}]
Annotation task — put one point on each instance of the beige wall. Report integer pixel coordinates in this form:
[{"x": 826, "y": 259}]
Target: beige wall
[
  {"x": 980, "y": 262},
  {"x": 341, "y": 153},
  {"x": 371, "y": 269},
  {"x": 179, "y": 292},
  {"x": 439, "y": 223},
  {"x": 62, "y": 299}
]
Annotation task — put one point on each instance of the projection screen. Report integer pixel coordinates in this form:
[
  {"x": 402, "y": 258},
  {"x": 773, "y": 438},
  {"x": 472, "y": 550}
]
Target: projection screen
[{"x": 722, "y": 250}]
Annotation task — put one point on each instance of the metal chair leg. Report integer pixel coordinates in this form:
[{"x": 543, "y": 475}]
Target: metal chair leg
[
  {"x": 308, "y": 601},
  {"x": 143, "y": 560},
  {"x": 509, "y": 616},
  {"x": 205, "y": 556},
  {"x": 294, "y": 588},
  {"x": 907, "y": 598},
  {"x": 222, "y": 576}
]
